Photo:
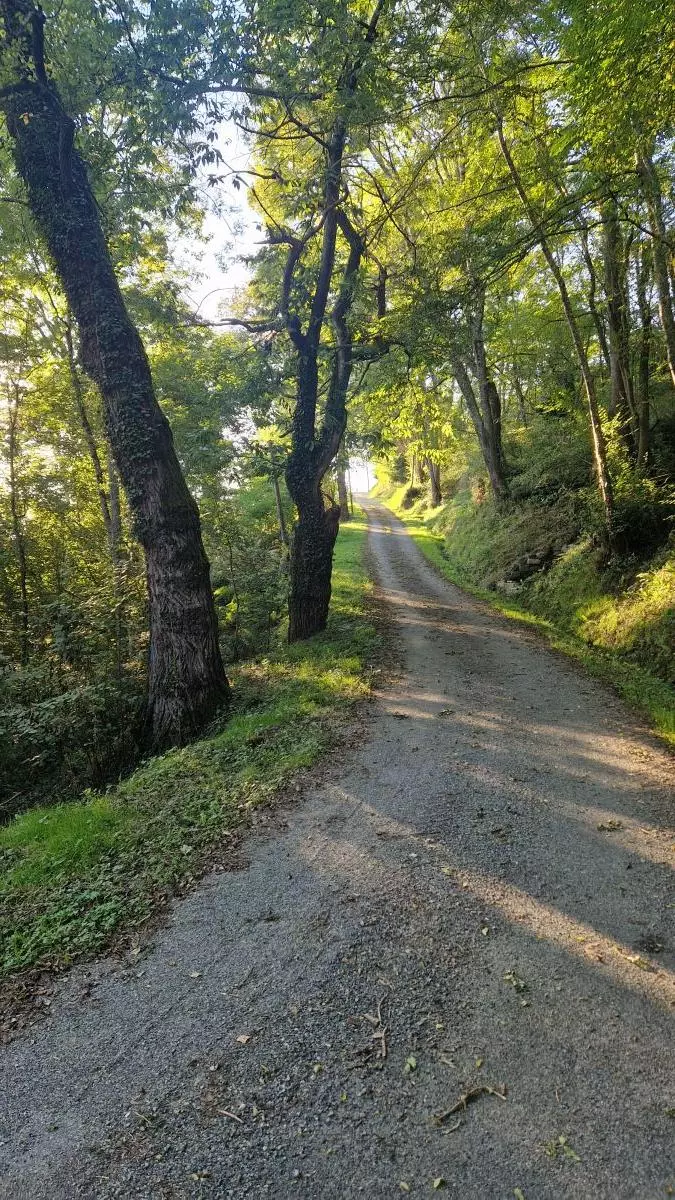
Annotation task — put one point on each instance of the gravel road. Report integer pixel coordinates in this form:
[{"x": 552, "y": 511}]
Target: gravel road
[{"x": 476, "y": 903}]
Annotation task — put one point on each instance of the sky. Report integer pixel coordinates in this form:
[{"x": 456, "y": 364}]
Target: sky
[{"x": 232, "y": 229}]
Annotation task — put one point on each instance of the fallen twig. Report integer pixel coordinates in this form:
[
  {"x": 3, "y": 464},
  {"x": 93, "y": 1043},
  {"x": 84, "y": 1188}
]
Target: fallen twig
[
  {"x": 225, "y": 1112},
  {"x": 468, "y": 1098}
]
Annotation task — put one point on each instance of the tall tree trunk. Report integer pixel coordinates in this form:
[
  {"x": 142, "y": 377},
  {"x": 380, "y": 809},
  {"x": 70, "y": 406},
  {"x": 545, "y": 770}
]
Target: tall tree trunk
[
  {"x": 313, "y": 451},
  {"x": 652, "y": 193},
  {"x": 17, "y": 520},
  {"x": 281, "y": 519},
  {"x": 316, "y": 529},
  {"x": 490, "y": 451},
  {"x": 621, "y": 384},
  {"x": 187, "y": 682},
  {"x": 597, "y": 433},
  {"x": 643, "y": 278},
  {"x": 485, "y": 409},
  {"x": 520, "y": 396},
  {"x": 311, "y": 565},
  {"x": 435, "y": 494},
  {"x": 592, "y": 289}
]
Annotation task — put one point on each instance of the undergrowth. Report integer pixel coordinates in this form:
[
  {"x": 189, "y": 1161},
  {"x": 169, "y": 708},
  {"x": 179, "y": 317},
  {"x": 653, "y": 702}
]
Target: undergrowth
[{"x": 74, "y": 874}]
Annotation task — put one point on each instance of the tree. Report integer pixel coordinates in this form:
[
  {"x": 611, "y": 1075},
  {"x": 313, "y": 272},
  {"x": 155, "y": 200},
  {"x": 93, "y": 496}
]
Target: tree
[
  {"x": 324, "y": 250},
  {"x": 186, "y": 679}
]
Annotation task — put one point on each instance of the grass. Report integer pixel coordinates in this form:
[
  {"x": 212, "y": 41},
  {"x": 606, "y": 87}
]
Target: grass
[
  {"x": 599, "y": 631},
  {"x": 74, "y": 875}
]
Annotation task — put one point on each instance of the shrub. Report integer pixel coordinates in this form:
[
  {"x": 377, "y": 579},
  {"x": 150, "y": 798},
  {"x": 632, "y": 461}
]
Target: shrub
[{"x": 87, "y": 736}]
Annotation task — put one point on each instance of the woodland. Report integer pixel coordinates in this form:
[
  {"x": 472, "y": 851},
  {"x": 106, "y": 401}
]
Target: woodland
[{"x": 465, "y": 274}]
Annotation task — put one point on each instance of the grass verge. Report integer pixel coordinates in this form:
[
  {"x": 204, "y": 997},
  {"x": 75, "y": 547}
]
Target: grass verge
[
  {"x": 649, "y": 694},
  {"x": 75, "y": 875}
]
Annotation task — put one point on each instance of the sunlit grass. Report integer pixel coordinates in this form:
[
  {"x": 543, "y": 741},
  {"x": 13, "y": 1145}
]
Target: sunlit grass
[{"x": 74, "y": 874}]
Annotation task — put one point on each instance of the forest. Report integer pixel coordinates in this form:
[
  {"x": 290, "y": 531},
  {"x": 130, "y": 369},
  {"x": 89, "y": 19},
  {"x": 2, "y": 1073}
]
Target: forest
[{"x": 463, "y": 273}]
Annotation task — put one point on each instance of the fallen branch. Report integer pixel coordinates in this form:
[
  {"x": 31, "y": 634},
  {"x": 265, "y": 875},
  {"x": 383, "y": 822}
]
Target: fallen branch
[{"x": 468, "y": 1098}]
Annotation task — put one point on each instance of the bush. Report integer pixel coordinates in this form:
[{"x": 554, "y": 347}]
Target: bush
[
  {"x": 84, "y": 737},
  {"x": 410, "y": 496}
]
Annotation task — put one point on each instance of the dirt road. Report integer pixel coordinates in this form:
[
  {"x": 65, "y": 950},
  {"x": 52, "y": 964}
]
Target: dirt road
[{"x": 477, "y": 903}]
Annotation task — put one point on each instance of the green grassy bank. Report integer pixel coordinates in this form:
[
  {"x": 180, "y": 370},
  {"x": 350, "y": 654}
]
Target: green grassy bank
[
  {"x": 74, "y": 875},
  {"x": 617, "y": 619}
]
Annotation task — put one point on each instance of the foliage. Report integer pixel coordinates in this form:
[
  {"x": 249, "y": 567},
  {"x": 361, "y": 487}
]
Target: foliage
[{"x": 74, "y": 874}]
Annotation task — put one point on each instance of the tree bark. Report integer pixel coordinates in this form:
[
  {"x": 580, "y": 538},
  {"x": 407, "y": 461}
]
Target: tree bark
[
  {"x": 90, "y": 440},
  {"x": 520, "y": 396},
  {"x": 485, "y": 409},
  {"x": 187, "y": 682},
  {"x": 313, "y": 451},
  {"x": 311, "y": 566},
  {"x": 592, "y": 288}
]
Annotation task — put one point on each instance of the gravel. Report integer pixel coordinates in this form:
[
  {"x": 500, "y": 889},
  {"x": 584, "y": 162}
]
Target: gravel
[{"x": 478, "y": 897}]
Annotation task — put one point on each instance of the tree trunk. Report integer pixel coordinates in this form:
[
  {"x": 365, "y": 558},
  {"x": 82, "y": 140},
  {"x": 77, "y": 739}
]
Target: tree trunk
[
  {"x": 653, "y": 198},
  {"x": 311, "y": 567},
  {"x": 490, "y": 451},
  {"x": 434, "y": 483},
  {"x": 592, "y": 288},
  {"x": 343, "y": 493},
  {"x": 643, "y": 277},
  {"x": 621, "y": 384},
  {"x": 283, "y": 532},
  {"x": 187, "y": 682},
  {"x": 92, "y": 448},
  {"x": 312, "y": 453},
  {"x": 17, "y": 523},
  {"x": 312, "y": 450},
  {"x": 520, "y": 397},
  {"x": 485, "y": 409},
  {"x": 597, "y": 433}
]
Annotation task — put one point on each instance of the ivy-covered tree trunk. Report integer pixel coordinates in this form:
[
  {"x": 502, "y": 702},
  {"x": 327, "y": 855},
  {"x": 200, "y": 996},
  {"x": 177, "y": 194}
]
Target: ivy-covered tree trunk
[
  {"x": 316, "y": 529},
  {"x": 311, "y": 565},
  {"x": 187, "y": 682}
]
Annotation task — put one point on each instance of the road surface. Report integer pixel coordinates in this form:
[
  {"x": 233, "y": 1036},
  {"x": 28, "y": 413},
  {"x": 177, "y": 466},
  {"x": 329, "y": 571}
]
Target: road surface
[{"x": 477, "y": 902}]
